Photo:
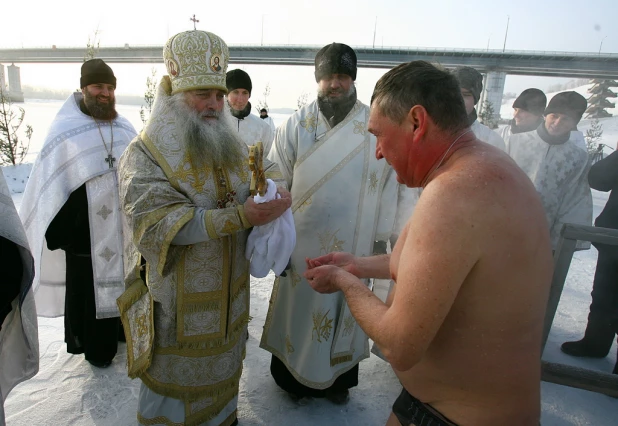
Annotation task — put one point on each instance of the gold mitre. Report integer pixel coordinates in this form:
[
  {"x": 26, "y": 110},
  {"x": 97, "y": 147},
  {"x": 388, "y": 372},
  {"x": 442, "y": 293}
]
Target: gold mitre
[{"x": 196, "y": 60}]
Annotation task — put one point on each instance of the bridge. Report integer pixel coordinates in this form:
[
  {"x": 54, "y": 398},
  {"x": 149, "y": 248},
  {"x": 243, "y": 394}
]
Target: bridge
[{"x": 496, "y": 64}]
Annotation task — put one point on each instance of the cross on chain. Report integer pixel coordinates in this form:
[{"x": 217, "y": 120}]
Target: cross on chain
[
  {"x": 195, "y": 21},
  {"x": 110, "y": 160}
]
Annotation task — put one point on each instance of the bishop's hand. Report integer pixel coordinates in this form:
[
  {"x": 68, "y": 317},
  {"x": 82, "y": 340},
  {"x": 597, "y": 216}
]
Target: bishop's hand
[{"x": 263, "y": 213}]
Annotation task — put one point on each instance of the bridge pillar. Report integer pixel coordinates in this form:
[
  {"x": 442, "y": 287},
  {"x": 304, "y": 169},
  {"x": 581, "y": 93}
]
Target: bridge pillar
[
  {"x": 15, "y": 92},
  {"x": 2, "y": 81},
  {"x": 493, "y": 89}
]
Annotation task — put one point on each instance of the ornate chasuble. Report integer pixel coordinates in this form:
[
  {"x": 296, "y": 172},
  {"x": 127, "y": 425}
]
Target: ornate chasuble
[
  {"x": 343, "y": 199},
  {"x": 200, "y": 291},
  {"x": 560, "y": 175}
]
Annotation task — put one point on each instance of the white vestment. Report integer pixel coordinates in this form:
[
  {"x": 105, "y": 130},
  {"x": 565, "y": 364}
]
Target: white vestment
[
  {"x": 272, "y": 126},
  {"x": 73, "y": 154},
  {"x": 485, "y": 134},
  {"x": 19, "y": 341},
  {"x": 252, "y": 129},
  {"x": 559, "y": 173},
  {"x": 343, "y": 199}
]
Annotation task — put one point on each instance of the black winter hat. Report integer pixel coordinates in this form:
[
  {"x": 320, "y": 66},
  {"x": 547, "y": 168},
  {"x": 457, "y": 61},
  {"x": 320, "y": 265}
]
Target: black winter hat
[
  {"x": 96, "y": 71},
  {"x": 531, "y": 100},
  {"x": 571, "y": 104},
  {"x": 238, "y": 79},
  {"x": 470, "y": 79},
  {"x": 335, "y": 58}
]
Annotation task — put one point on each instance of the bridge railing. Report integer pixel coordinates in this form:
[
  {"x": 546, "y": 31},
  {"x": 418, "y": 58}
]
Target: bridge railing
[{"x": 563, "y": 374}]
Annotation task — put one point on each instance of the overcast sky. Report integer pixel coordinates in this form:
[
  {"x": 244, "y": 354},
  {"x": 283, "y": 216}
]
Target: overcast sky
[{"x": 542, "y": 25}]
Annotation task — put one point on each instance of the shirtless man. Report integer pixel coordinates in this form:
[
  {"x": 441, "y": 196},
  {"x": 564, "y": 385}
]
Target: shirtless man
[{"x": 462, "y": 327}]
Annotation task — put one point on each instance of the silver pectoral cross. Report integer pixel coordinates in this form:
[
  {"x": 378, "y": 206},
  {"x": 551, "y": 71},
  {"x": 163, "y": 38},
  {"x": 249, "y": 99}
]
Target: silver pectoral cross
[{"x": 110, "y": 160}]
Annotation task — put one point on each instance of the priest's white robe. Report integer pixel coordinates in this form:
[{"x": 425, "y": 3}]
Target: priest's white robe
[
  {"x": 560, "y": 175},
  {"x": 252, "y": 129},
  {"x": 73, "y": 154},
  {"x": 19, "y": 340},
  {"x": 485, "y": 134},
  {"x": 343, "y": 199}
]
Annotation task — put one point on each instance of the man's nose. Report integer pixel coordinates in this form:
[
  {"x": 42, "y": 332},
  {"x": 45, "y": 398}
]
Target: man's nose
[
  {"x": 335, "y": 83},
  {"x": 211, "y": 102},
  {"x": 105, "y": 91}
]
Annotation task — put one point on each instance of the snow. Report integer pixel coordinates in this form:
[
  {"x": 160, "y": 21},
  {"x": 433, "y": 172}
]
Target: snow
[{"x": 69, "y": 391}]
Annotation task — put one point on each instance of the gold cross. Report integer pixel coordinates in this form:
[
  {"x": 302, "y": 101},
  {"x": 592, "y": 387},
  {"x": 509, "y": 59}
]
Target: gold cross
[{"x": 256, "y": 164}]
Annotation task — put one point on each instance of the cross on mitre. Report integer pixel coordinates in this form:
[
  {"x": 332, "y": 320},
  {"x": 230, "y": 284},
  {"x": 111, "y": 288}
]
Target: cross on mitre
[
  {"x": 195, "y": 20},
  {"x": 256, "y": 164}
]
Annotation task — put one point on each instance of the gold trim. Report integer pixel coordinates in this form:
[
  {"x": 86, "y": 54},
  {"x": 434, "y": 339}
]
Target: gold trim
[
  {"x": 192, "y": 393},
  {"x": 213, "y": 410},
  {"x": 152, "y": 218},
  {"x": 329, "y": 132},
  {"x": 210, "y": 226},
  {"x": 243, "y": 218},
  {"x": 160, "y": 420},
  {"x": 136, "y": 366},
  {"x": 300, "y": 201},
  {"x": 167, "y": 240},
  {"x": 160, "y": 159}
]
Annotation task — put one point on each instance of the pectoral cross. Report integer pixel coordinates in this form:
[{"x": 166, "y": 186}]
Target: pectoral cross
[
  {"x": 195, "y": 21},
  {"x": 110, "y": 160},
  {"x": 256, "y": 164}
]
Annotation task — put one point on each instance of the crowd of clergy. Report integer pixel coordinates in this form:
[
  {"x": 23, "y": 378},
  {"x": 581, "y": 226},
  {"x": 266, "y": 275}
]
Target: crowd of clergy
[{"x": 152, "y": 237}]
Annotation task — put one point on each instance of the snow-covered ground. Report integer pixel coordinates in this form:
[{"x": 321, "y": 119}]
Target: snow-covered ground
[{"x": 69, "y": 391}]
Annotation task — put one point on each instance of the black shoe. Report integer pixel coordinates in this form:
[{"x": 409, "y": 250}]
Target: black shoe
[
  {"x": 338, "y": 397},
  {"x": 100, "y": 364},
  {"x": 584, "y": 349}
]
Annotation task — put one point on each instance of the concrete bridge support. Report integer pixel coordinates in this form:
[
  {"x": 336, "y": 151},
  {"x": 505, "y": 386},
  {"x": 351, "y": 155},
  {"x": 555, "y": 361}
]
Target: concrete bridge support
[
  {"x": 493, "y": 90},
  {"x": 15, "y": 92},
  {"x": 2, "y": 80}
]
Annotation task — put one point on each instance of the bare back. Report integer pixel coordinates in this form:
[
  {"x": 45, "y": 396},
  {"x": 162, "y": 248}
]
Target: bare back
[{"x": 473, "y": 265}]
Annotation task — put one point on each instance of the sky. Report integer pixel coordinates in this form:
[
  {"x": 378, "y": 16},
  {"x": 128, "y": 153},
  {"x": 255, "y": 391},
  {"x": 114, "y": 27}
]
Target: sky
[{"x": 546, "y": 25}]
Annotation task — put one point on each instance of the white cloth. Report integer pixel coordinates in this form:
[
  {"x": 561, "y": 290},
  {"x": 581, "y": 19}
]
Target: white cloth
[
  {"x": 270, "y": 246},
  {"x": 560, "y": 175},
  {"x": 487, "y": 135},
  {"x": 578, "y": 138},
  {"x": 253, "y": 129},
  {"x": 19, "y": 342},
  {"x": 73, "y": 154}
]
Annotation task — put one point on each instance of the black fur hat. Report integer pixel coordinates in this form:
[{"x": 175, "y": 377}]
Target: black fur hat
[
  {"x": 531, "y": 100},
  {"x": 335, "y": 58},
  {"x": 470, "y": 79},
  {"x": 96, "y": 71},
  {"x": 571, "y": 104},
  {"x": 238, "y": 79}
]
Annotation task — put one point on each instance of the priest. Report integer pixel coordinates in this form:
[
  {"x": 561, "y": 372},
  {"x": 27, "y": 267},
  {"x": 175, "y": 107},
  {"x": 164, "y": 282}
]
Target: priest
[
  {"x": 343, "y": 199},
  {"x": 70, "y": 212},
  {"x": 19, "y": 342},
  {"x": 557, "y": 166}
]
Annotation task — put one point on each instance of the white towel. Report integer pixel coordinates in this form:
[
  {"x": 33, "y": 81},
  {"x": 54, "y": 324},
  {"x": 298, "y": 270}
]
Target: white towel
[{"x": 270, "y": 246}]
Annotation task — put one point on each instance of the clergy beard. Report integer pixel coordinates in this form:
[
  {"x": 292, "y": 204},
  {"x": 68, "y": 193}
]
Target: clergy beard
[
  {"x": 98, "y": 109},
  {"x": 323, "y": 96},
  {"x": 213, "y": 142}
]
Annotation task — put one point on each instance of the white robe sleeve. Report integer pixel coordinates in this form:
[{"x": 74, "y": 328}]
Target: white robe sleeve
[{"x": 283, "y": 151}]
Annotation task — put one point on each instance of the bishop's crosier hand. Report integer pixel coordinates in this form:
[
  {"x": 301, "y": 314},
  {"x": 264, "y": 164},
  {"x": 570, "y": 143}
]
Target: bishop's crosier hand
[
  {"x": 345, "y": 261},
  {"x": 326, "y": 279},
  {"x": 261, "y": 214}
]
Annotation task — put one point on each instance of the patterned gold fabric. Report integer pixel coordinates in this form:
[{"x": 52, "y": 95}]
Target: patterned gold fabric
[
  {"x": 200, "y": 291},
  {"x": 196, "y": 60}
]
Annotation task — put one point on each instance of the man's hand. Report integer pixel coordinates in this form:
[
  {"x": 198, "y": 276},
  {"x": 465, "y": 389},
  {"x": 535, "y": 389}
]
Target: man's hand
[
  {"x": 284, "y": 193},
  {"x": 261, "y": 214},
  {"x": 325, "y": 279},
  {"x": 345, "y": 261}
]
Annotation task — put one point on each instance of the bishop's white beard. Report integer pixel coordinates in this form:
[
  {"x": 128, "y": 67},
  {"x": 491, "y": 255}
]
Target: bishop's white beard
[{"x": 212, "y": 143}]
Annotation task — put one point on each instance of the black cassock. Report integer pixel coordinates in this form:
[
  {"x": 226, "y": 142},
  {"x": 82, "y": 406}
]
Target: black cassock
[
  {"x": 11, "y": 276},
  {"x": 83, "y": 333}
]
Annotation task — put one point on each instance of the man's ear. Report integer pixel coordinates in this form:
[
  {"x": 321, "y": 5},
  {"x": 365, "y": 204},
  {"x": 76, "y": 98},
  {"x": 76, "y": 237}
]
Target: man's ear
[{"x": 417, "y": 119}]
